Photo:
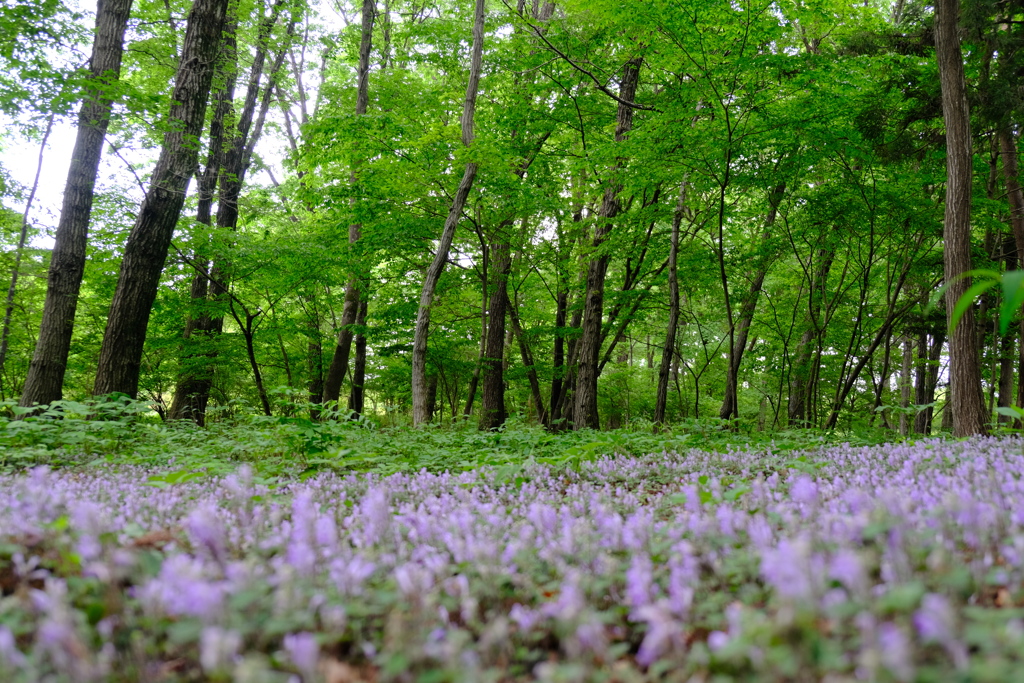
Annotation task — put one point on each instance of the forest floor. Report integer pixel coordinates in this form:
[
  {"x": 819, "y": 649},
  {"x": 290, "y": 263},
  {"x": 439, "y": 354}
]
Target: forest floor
[{"x": 279, "y": 549}]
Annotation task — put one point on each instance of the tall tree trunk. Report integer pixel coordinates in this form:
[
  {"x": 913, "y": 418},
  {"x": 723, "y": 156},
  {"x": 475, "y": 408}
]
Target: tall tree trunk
[
  {"x": 492, "y": 409},
  {"x": 967, "y": 403},
  {"x": 667, "y": 351},
  {"x": 5, "y": 334},
  {"x": 145, "y": 251},
  {"x": 193, "y": 390},
  {"x": 419, "y": 349},
  {"x": 67, "y": 260},
  {"x": 195, "y": 378},
  {"x": 585, "y": 408},
  {"x": 730, "y": 403},
  {"x": 353, "y": 296}
]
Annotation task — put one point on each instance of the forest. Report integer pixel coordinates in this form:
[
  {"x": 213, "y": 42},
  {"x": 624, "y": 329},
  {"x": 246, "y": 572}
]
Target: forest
[
  {"x": 573, "y": 215},
  {"x": 437, "y": 341}
]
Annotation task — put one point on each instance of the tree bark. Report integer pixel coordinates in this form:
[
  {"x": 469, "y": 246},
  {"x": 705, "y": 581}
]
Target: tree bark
[
  {"x": 665, "y": 368},
  {"x": 353, "y": 296},
  {"x": 145, "y": 251},
  {"x": 585, "y": 408},
  {"x": 193, "y": 390},
  {"x": 492, "y": 410},
  {"x": 67, "y": 260},
  {"x": 967, "y": 403},
  {"x": 195, "y": 378},
  {"x": 419, "y": 349},
  {"x": 357, "y": 394}
]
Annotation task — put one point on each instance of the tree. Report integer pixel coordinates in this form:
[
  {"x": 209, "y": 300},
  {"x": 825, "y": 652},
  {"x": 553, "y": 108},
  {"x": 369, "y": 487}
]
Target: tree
[
  {"x": 419, "y": 351},
  {"x": 353, "y": 297},
  {"x": 145, "y": 251},
  {"x": 45, "y": 378},
  {"x": 966, "y": 401}
]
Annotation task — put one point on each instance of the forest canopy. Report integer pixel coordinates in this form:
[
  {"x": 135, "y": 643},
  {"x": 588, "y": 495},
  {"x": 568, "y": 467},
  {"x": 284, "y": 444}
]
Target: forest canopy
[{"x": 567, "y": 213}]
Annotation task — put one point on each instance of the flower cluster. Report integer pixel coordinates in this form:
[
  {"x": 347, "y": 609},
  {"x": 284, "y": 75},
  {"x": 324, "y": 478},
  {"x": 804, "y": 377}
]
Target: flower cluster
[{"x": 883, "y": 563}]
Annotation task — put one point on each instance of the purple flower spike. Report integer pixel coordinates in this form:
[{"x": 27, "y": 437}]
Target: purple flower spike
[{"x": 304, "y": 652}]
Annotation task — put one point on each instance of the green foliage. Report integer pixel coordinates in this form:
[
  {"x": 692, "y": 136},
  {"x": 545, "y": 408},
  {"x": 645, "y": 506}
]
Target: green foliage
[{"x": 120, "y": 432}]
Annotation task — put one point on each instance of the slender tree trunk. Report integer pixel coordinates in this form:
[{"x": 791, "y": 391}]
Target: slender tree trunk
[
  {"x": 250, "y": 351},
  {"x": 558, "y": 352},
  {"x": 353, "y": 296},
  {"x": 527, "y": 356},
  {"x": 906, "y": 382},
  {"x": 934, "y": 358},
  {"x": 967, "y": 404},
  {"x": 562, "y": 367},
  {"x": 585, "y": 409},
  {"x": 883, "y": 383},
  {"x": 67, "y": 260},
  {"x": 419, "y": 350},
  {"x": 474, "y": 380},
  {"x": 802, "y": 377},
  {"x": 145, "y": 251},
  {"x": 921, "y": 383},
  {"x": 664, "y": 369},
  {"x": 357, "y": 394},
  {"x": 1015, "y": 198},
  {"x": 1007, "y": 342},
  {"x": 730, "y": 403},
  {"x": 22, "y": 238}
]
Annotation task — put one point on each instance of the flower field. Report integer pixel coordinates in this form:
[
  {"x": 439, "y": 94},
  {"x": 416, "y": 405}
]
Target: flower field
[{"x": 890, "y": 563}]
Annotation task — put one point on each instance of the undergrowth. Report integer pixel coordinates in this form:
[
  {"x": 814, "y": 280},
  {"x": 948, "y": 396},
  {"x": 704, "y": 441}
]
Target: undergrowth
[{"x": 124, "y": 432}]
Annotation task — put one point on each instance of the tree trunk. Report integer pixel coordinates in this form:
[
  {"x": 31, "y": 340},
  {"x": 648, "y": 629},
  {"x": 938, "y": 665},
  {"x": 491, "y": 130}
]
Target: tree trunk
[
  {"x": 431, "y": 396},
  {"x": 474, "y": 380},
  {"x": 193, "y": 390},
  {"x": 419, "y": 349},
  {"x": 906, "y": 382},
  {"x": 492, "y": 410},
  {"x": 527, "y": 356},
  {"x": 585, "y": 408},
  {"x": 67, "y": 260},
  {"x": 5, "y": 334},
  {"x": 730, "y": 403},
  {"x": 921, "y": 383},
  {"x": 966, "y": 401},
  {"x": 353, "y": 296},
  {"x": 145, "y": 251},
  {"x": 195, "y": 378},
  {"x": 801, "y": 379},
  {"x": 932, "y": 379},
  {"x": 664, "y": 369},
  {"x": 1015, "y": 198},
  {"x": 357, "y": 394}
]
